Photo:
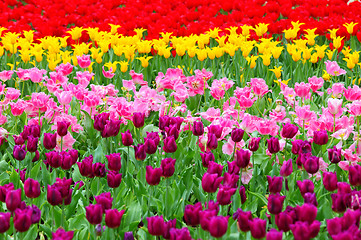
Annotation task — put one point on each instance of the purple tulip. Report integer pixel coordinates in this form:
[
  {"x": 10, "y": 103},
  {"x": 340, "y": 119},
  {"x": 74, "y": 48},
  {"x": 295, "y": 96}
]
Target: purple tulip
[
  {"x": 206, "y": 158},
  {"x": 275, "y": 203},
  {"x": 113, "y": 218},
  {"x": 100, "y": 121},
  {"x": 167, "y": 227},
  {"x": 168, "y": 167},
  {"x": 127, "y": 138},
  {"x": 273, "y": 145},
  {"x": 62, "y": 129},
  {"x": 243, "y": 219},
  {"x": 4, "y": 221},
  {"x": 334, "y": 154},
  {"x": 170, "y": 145},
  {"x": 289, "y": 130},
  {"x": 320, "y": 137},
  {"x": 139, "y": 152},
  {"x": 305, "y": 186},
  {"x": 22, "y": 219},
  {"x": 286, "y": 168},
  {"x": 218, "y": 226},
  {"x": 94, "y": 213},
  {"x": 211, "y": 182},
  {"x": 156, "y": 225},
  {"x": 153, "y": 175},
  {"x": 225, "y": 194},
  {"x": 274, "y": 184},
  {"x": 13, "y": 199},
  {"x": 216, "y": 130},
  {"x": 99, "y": 169},
  {"x": 105, "y": 200},
  {"x": 86, "y": 166},
  {"x": 49, "y": 141},
  {"x": 329, "y": 180},
  {"x": 114, "y": 179},
  {"x": 114, "y": 161},
  {"x": 138, "y": 119},
  {"x": 237, "y": 134},
  {"x": 243, "y": 158},
  {"x": 150, "y": 146},
  {"x": 53, "y": 158},
  {"x": 61, "y": 234},
  {"x": 212, "y": 142},
  {"x": 19, "y": 152},
  {"x": 253, "y": 144},
  {"x": 111, "y": 128},
  {"x": 32, "y": 188},
  {"x": 191, "y": 214},
  {"x": 258, "y": 228}
]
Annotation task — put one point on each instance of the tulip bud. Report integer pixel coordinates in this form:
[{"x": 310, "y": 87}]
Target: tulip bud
[
  {"x": 300, "y": 230},
  {"x": 243, "y": 158},
  {"x": 114, "y": 161},
  {"x": 218, "y": 226},
  {"x": 163, "y": 122},
  {"x": 253, "y": 144},
  {"x": 306, "y": 213},
  {"x": 153, "y": 175},
  {"x": 170, "y": 145},
  {"x": 113, "y": 218},
  {"x": 329, "y": 180},
  {"x": 216, "y": 130},
  {"x": 237, "y": 134},
  {"x": 4, "y": 221},
  {"x": 210, "y": 182},
  {"x": 172, "y": 130},
  {"x": 99, "y": 169},
  {"x": 305, "y": 186},
  {"x": 284, "y": 221},
  {"x": 32, "y": 144},
  {"x": 19, "y": 152},
  {"x": 233, "y": 167},
  {"x": 4, "y": 190},
  {"x": 167, "y": 227},
  {"x": 312, "y": 164},
  {"x": 205, "y": 217},
  {"x": 198, "y": 128},
  {"x": 225, "y": 194},
  {"x": 60, "y": 234},
  {"x": 49, "y": 141},
  {"x": 127, "y": 138},
  {"x": 105, "y": 200},
  {"x": 334, "y": 155},
  {"x": 273, "y": 234},
  {"x": 150, "y": 146},
  {"x": 62, "y": 128},
  {"x": 114, "y": 179},
  {"x": 66, "y": 160},
  {"x": 128, "y": 236},
  {"x": 13, "y": 199},
  {"x": 289, "y": 130},
  {"x": 274, "y": 184},
  {"x": 215, "y": 168},
  {"x": 275, "y": 203},
  {"x": 242, "y": 193},
  {"x": 243, "y": 219},
  {"x": 100, "y": 120},
  {"x": 191, "y": 214},
  {"x": 94, "y": 213},
  {"x": 32, "y": 188},
  {"x": 206, "y": 158},
  {"x": 180, "y": 234},
  {"x": 258, "y": 228},
  {"x": 34, "y": 130},
  {"x": 111, "y": 128},
  {"x": 138, "y": 119},
  {"x": 53, "y": 159},
  {"x": 35, "y": 214},
  {"x": 18, "y": 140},
  {"x": 334, "y": 226},
  {"x": 212, "y": 142},
  {"x": 354, "y": 175},
  {"x": 168, "y": 167},
  {"x": 273, "y": 145},
  {"x": 230, "y": 180},
  {"x": 156, "y": 225},
  {"x": 286, "y": 168},
  {"x": 139, "y": 152},
  {"x": 320, "y": 137},
  {"x": 22, "y": 219},
  {"x": 310, "y": 198},
  {"x": 338, "y": 204},
  {"x": 86, "y": 166}
]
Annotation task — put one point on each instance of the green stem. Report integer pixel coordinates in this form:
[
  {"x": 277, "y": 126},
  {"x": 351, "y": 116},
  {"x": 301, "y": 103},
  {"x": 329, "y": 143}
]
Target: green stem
[{"x": 61, "y": 144}]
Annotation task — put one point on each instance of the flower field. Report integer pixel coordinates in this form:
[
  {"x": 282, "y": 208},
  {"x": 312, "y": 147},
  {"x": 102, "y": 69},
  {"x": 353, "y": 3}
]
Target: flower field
[{"x": 180, "y": 120}]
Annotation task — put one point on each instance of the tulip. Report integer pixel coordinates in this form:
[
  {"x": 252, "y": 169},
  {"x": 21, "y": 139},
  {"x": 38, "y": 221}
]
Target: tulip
[
  {"x": 150, "y": 146},
  {"x": 310, "y": 198},
  {"x": 172, "y": 131},
  {"x": 100, "y": 121},
  {"x": 32, "y": 144},
  {"x": 242, "y": 193},
  {"x": 273, "y": 234},
  {"x": 354, "y": 175},
  {"x": 163, "y": 122},
  {"x": 4, "y": 190},
  {"x": 311, "y": 164},
  {"x": 284, "y": 221},
  {"x": 306, "y": 213},
  {"x": 36, "y": 157},
  {"x": 206, "y": 158},
  {"x": 180, "y": 234},
  {"x": 156, "y": 225},
  {"x": 114, "y": 179},
  {"x": 275, "y": 203},
  {"x": 198, "y": 128},
  {"x": 273, "y": 145},
  {"x": 343, "y": 188},
  {"x": 258, "y": 228},
  {"x": 111, "y": 128},
  {"x": 225, "y": 194},
  {"x": 218, "y": 226},
  {"x": 114, "y": 161},
  {"x": 243, "y": 219},
  {"x": 105, "y": 200},
  {"x": 66, "y": 160},
  {"x": 99, "y": 169},
  {"x": 289, "y": 130},
  {"x": 54, "y": 196},
  {"x": 94, "y": 213},
  {"x": 153, "y": 175},
  {"x": 191, "y": 214},
  {"x": 212, "y": 142},
  {"x": 19, "y": 152},
  {"x": 32, "y": 188},
  {"x": 305, "y": 186},
  {"x": 53, "y": 159},
  {"x": 320, "y": 137},
  {"x": 253, "y": 144},
  {"x": 49, "y": 140},
  {"x": 216, "y": 130},
  {"x": 4, "y": 221},
  {"x": 34, "y": 130},
  {"x": 215, "y": 168},
  {"x": 286, "y": 168},
  {"x": 210, "y": 182},
  {"x": 128, "y": 236},
  {"x": 62, "y": 128},
  {"x": 205, "y": 217},
  {"x": 167, "y": 227},
  {"x": 170, "y": 145},
  {"x": 113, "y": 218},
  {"x": 243, "y": 158},
  {"x": 168, "y": 167},
  {"x": 18, "y": 140},
  {"x": 127, "y": 138},
  {"x": 35, "y": 214},
  {"x": 230, "y": 180},
  {"x": 154, "y": 136},
  {"x": 22, "y": 219},
  {"x": 74, "y": 155},
  {"x": 233, "y": 168},
  {"x": 86, "y": 166},
  {"x": 329, "y": 180},
  {"x": 138, "y": 119},
  {"x": 13, "y": 199},
  {"x": 237, "y": 134},
  {"x": 338, "y": 204},
  {"x": 334, "y": 154},
  {"x": 300, "y": 231},
  {"x": 334, "y": 226},
  {"x": 274, "y": 184},
  {"x": 61, "y": 234},
  {"x": 139, "y": 152}
]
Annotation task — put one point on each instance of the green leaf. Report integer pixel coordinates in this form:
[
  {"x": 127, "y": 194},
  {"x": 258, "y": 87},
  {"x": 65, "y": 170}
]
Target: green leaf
[
  {"x": 35, "y": 171},
  {"x": 261, "y": 197},
  {"x": 32, "y": 233}
]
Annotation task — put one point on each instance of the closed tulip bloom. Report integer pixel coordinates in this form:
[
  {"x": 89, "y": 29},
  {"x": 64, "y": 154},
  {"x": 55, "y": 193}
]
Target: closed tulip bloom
[
  {"x": 180, "y": 234},
  {"x": 225, "y": 194},
  {"x": 100, "y": 121},
  {"x": 206, "y": 158},
  {"x": 19, "y": 152},
  {"x": 286, "y": 168},
  {"x": 306, "y": 186},
  {"x": 211, "y": 182},
  {"x": 32, "y": 144},
  {"x": 113, "y": 218},
  {"x": 198, "y": 128},
  {"x": 284, "y": 221},
  {"x": 300, "y": 230},
  {"x": 205, "y": 217},
  {"x": 13, "y": 199},
  {"x": 242, "y": 193},
  {"x": 94, "y": 213},
  {"x": 191, "y": 214},
  {"x": 334, "y": 154},
  {"x": 139, "y": 152},
  {"x": 66, "y": 160},
  {"x": 170, "y": 145},
  {"x": 150, "y": 146},
  {"x": 216, "y": 130},
  {"x": 153, "y": 175},
  {"x": 156, "y": 225},
  {"x": 273, "y": 234},
  {"x": 334, "y": 225},
  {"x": 354, "y": 175},
  {"x": 212, "y": 142},
  {"x": 275, "y": 203},
  {"x": 253, "y": 144},
  {"x": 114, "y": 179},
  {"x": 154, "y": 136},
  {"x": 338, "y": 203},
  {"x": 99, "y": 169},
  {"x": 74, "y": 155},
  {"x": 18, "y": 140},
  {"x": 289, "y": 130},
  {"x": 114, "y": 161},
  {"x": 343, "y": 188},
  {"x": 49, "y": 140},
  {"x": 111, "y": 128},
  {"x": 172, "y": 130},
  {"x": 237, "y": 134},
  {"x": 86, "y": 166},
  {"x": 274, "y": 184},
  {"x": 35, "y": 214},
  {"x": 128, "y": 236},
  {"x": 4, "y": 221},
  {"x": 163, "y": 122},
  {"x": 61, "y": 234},
  {"x": 167, "y": 227},
  {"x": 243, "y": 219},
  {"x": 62, "y": 129},
  {"x": 310, "y": 198},
  {"x": 32, "y": 188},
  {"x": 53, "y": 158},
  {"x": 329, "y": 180},
  {"x": 312, "y": 164},
  {"x": 306, "y": 213},
  {"x": 22, "y": 219},
  {"x": 127, "y": 138},
  {"x": 215, "y": 168},
  {"x": 168, "y": 167},
  {"x": 320, "y": 137},
  {"x": 218, "y": 226},
  {"x": 258, "y": 228},
  {"x": 138, "y": 119},
  {"x": 243, "y": 158},
  {"x": 4, "y": 190},
  {"x": 54, "y": 196},
  {"x": 273, "y": 145},
  {"x": 104, "y": 199}
]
